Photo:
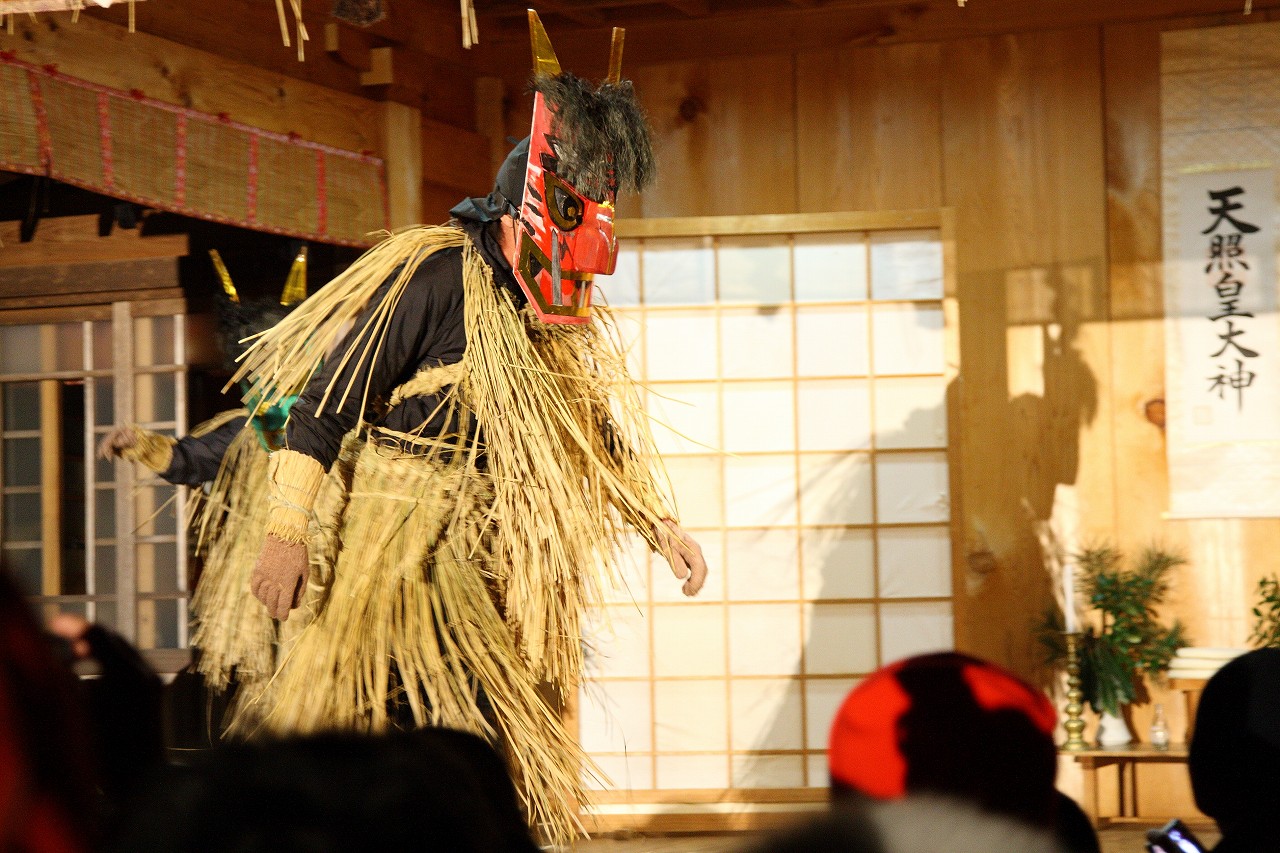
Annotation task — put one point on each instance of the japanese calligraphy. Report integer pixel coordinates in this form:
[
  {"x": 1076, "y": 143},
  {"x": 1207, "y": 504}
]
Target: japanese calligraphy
[{"x": 1226, "y": 269}]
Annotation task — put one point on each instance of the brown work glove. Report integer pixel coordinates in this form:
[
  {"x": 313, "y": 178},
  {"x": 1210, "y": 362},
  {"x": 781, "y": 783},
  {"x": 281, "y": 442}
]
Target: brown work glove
[
  {"x": 136, "y": 444},
  {"x": 683, "y": 554},
  {"x": 280, "y": 575}
]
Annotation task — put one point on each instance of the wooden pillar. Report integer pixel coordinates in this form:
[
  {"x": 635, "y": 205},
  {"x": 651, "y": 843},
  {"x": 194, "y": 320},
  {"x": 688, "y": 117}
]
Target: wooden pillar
[
  {"x": 402, "y": 150},
  {"x": 50, "y": 467}
]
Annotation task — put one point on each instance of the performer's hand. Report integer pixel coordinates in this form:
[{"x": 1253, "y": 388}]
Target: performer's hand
[
  {"x": 280, "y": 576},
  {"x": 116, "y": 442},
  {"x": 683, "y": 554}
]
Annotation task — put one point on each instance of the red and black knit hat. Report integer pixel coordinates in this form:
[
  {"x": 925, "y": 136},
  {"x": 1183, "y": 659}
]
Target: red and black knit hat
[{"x": 951, "y": 724}]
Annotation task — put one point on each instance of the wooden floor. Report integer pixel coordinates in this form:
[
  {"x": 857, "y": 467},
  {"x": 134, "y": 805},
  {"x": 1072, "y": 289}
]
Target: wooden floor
[{"x": 1114, "y": 840}]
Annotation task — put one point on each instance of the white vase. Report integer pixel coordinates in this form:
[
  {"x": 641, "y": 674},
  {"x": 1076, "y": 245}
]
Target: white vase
[{"x": 1113, "y": 731}]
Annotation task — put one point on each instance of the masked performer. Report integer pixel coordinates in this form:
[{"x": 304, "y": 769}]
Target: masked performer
[
  {"x": 234, "y": 633},
  {"x": 503, "y": 455}
]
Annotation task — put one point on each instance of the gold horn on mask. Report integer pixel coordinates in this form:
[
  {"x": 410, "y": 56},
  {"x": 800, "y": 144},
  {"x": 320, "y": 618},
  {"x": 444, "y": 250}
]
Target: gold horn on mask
[
  {"x": 615, "y": 55},
  {"x": 295, "y": 286},
  {"x": 224, "y": 276},
  {"x": 544, "y": 56}
]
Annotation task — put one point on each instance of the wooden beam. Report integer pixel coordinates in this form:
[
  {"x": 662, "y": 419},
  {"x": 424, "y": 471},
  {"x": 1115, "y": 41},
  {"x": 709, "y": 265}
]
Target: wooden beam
[
  {"x": 106, "y": 297},
  {"x": 692, "y": 8},
  {"x": 402, "y": 128},
  {"x": 75, "y": 240},
  {"x": 345, "y": 46},
  {"x": 89, "y": 280},
  {"x": 104, "y": 53},
  {"x": 457, "y": 158}
]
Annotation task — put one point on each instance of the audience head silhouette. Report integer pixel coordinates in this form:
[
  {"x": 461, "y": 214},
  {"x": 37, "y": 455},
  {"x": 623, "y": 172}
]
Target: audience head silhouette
[
  {"x": 948, "y": 724},
  {"x": 1234, "y": 759}
]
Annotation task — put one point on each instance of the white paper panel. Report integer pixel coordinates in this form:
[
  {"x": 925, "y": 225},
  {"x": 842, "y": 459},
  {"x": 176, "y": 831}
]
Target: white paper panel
[
  {"x": 615, "y": 716},
  {"x": 908, "y": 339},
  {"x": 688, "y": 640},
  {"x": 761, "y": 491},
  {"x": 838, "y": 563},
  {"x": 822, "y": 698},
  {"x": 623, "y": 287},
  {"x": 692, "y": 771},
  {"x": 837, "y": 489},
  {"x": 755, "y": 269},
  {"x": 684, "y": 418},
  {"x": 830, "y": 267},
  {"x": 759, "y": 416},
  {"x": 696, "y": 482},
  {"x": 756, "y": 343},
  {"x": 679, "y": 271},
  {"x": 766, "y": 714},
  {"x": 831, "y": 341},
  {"x": 618, "y": 642},
  {"x": 835, "y": 414},
  {"x": 764, "y": 639},
  {"x": 911, "y": 412},
  {"x": 620, "y": 772},
  {"x": 915, "y": 562},
  {"x": 906, "y": 265},
  {"x": 768, "y": 771},
  {"x": 690, "y": 716},
  {"x": 915, "y": 628},
  {"x": 680, "y": 345},
  {"x": 841, "y": 639},
  {"x": 761, "y": 565},
  {"x": 819, "y": 775},
  {"x": 912, "y": 487}
]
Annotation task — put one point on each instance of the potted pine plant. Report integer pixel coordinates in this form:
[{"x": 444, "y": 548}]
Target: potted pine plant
[{"x": 1127, "y": 642}]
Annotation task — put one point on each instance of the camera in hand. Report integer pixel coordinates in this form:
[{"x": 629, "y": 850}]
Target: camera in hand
[{"x": 1173, "y": 837}]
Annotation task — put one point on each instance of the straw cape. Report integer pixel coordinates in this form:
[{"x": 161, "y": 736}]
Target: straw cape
[{"x": 463, "y": 562}]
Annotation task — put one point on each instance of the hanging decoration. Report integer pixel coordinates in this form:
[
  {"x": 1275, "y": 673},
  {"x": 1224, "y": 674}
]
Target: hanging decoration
[
  {"x": 301, "y": 28},
  {"x": 470, "y": 30},
  {"x": 11, "y": 8}
]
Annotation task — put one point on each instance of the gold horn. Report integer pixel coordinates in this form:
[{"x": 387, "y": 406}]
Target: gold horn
[
  {"x": 227, "y": 287},
  {"x": 544, "y": 56},
  {"x": 615, "y": 55},
  {"x": 295, "y": 286}
]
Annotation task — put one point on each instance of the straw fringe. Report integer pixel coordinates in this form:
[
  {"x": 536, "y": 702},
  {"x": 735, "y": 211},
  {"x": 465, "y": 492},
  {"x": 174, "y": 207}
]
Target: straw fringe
[
  {"x": 413, "y": 621},
  {"x": 231, "y": 627}
]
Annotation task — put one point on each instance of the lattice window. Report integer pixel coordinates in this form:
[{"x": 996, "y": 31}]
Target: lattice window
[{"x": 802, "y": 378}]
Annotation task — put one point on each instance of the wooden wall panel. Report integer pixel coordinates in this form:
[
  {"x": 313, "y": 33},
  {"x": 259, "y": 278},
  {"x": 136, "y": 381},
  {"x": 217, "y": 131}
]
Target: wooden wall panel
[
  {"x": 1023, "y": 168},
  {"x": 869, "y": 128},
  {"x": 724, "y": 135}
]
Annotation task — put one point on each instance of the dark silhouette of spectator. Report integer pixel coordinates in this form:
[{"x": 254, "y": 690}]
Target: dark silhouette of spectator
[
  {"x": 46, "y": 780},
  {"x": 1234, "y": 759},
  {"x": 432, "y": 789},
  {"x": 954, "y": 725},
  {"x": 915, "y": 824}
]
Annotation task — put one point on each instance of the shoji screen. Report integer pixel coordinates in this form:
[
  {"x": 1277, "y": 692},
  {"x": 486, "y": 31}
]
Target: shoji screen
[{"x": 798, "y": 383}]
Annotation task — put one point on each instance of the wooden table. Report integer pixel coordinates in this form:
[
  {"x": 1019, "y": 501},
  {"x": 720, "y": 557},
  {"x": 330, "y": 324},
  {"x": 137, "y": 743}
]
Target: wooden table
[{"x": 1126, "y": 759}]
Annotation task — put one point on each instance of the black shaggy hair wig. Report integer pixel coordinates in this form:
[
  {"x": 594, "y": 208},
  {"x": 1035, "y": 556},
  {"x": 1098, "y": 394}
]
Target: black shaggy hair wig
[
  {"x": 240, "y": 320},
  {"x": 602, "y": 132}
]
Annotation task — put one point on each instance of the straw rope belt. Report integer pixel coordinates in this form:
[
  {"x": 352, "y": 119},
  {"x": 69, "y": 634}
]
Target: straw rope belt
[{"x": 427, "y": 381}]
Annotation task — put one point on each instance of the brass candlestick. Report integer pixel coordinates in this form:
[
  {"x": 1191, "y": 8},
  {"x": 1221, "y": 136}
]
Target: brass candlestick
[{"x": 1074, "y": 723}]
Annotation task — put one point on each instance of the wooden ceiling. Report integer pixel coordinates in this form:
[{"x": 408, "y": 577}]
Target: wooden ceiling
[{"x": 427, "y": 65}]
